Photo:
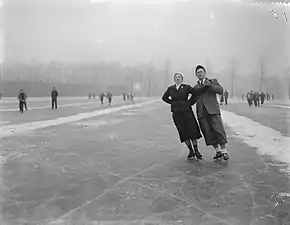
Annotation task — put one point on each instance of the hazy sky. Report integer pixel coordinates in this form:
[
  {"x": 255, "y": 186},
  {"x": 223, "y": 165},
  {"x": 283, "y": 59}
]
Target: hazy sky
[
  {"x": 160, "y": 1},
  {"x": 186, "y": 33}
]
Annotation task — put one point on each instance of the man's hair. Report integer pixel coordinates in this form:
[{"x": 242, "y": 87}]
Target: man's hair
[{"x": 199, "y": 67}]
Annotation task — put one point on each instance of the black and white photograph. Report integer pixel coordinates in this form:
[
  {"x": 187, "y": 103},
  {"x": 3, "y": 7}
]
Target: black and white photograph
[{"x": 144, "y": 112}]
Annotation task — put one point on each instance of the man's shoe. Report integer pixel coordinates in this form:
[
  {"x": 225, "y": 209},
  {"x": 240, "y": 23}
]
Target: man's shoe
[
  {"x": 226, "y": 156},
  {"x": 218, "y": 155}
]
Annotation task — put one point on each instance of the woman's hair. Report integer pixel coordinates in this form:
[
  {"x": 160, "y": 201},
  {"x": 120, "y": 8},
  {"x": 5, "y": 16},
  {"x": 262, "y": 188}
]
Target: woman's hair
[
  {"x": 199, "y": 67},
  {"x": 178, "y": 73}
]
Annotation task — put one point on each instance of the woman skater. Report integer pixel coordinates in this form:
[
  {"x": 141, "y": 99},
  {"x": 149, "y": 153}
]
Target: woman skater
[{"x": 177, "y": 96}]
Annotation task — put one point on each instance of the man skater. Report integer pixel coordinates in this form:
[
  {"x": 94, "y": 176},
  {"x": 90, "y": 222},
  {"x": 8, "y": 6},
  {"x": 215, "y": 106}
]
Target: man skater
[
  {"x": 222, "y": 99},
  {"x": 226, "y": 94},
  {"x": 124, "y": 96},
  {"x": 25, "y": 98},
  {"x": 209, "y": 115},
  {"x": 21, "y": 99},
  {"x": 262, "y": 97},
  {"x": 132, "y": 98},
  {"x": 109, "y": 96},
  {"x": 54, "y": 95},
  {"x": 102, "y": 95},
  {"x": 256, "y": 99},
  {"x": 249, "y": 97}
]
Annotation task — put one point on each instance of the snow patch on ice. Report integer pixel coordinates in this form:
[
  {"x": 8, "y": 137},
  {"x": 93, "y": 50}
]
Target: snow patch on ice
[
  {"x": 266, "y": 140},
  {"x": 97, "y": 123},
  {"x": 3, "y": 123},
  {"x": 25, "y": 127},
  {"x": 280, "y": 106}
]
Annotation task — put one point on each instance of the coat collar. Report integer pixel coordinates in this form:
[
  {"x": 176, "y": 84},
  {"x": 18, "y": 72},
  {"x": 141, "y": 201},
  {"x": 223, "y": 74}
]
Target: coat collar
[
  {"x": 202, "y": 81},
  {"x": 178, "y": 87},
  {"x": 199, "y": 82}
]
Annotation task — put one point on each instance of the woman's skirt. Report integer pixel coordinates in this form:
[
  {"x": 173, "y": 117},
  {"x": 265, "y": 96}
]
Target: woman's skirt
[{"x": 186, "y": 125}]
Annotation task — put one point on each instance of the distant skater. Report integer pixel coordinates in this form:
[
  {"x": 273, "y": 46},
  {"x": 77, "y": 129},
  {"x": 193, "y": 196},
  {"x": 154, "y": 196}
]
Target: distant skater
[
  {"x": 249, "y": 97},
  {"x": 21, "y": 99},
  {"x": 25, "y": 99},
  {"x": 54, "y": 95},
  {"x": 226, "y": 96},
  {"x": 222, "y": 99},
  {"x": 109, "y": 96},
  {"x": 102, "y": 96},
  {"x": 132, "y": 98},
  {"x": 262, "y": 97}
]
